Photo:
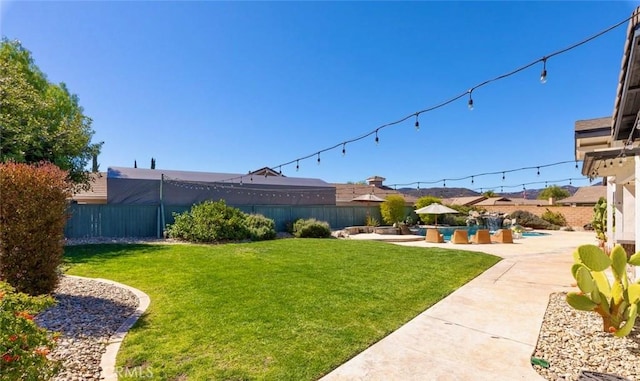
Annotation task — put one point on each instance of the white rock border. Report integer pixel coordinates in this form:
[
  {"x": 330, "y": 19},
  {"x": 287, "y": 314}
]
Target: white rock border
[{"x": 108, "y": 359}]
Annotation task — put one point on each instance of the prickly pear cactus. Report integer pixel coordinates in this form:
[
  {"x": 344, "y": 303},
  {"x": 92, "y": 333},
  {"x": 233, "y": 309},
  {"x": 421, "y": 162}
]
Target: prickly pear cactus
[{"x": 618, "y": 301}]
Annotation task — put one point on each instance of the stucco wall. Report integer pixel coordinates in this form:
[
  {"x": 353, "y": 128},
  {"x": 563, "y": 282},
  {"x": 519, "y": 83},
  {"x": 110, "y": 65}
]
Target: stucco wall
[{"x": 577, "y": 216}]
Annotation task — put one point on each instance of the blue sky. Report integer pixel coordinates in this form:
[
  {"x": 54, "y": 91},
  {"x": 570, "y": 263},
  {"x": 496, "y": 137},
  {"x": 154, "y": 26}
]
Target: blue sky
[{"x": 236, "y": 86}]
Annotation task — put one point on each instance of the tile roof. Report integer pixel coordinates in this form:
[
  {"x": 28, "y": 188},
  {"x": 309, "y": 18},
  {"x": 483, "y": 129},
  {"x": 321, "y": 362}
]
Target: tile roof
[
  {"x": 466, "y": 201},
  {"x": 586, "y": 195},
  {"x": 98, "y": 192},
  {"x": 346, "y": 192}
]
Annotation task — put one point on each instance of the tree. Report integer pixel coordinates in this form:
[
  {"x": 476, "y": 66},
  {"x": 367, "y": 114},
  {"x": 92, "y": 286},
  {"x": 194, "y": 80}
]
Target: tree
[
  {"x": 392, "y": 209},
  {"x": 553, "y": 191},
  {"x": 490, "y": 193},
  {"x": 41, "y": 121},
  {"x": 426, "y": 201}
]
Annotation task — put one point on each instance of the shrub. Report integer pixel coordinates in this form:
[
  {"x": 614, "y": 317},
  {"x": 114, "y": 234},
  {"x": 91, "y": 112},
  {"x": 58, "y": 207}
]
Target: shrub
[
  {"x": 555, "y": 218},
  {"x": 311, "y": 228},
  {"x": 371, "y": 221},
  {"x": 260, "y": 227},
  {"x": 392, "y": 209},
  {"x": 33, "y": 213},
  {"x": 23, "y": 345},
  {"x": 210, "y": 221},
  {"x": 599, "y": 220},
  {"x": 530, "y": 220},
  {"x": 461, "y": 218}
]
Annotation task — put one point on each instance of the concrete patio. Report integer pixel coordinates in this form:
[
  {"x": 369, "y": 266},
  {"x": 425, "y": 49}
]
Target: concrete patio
[{"x": 485, "y": 330}]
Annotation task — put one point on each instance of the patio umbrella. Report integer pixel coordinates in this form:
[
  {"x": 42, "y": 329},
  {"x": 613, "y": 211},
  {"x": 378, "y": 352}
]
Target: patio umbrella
[
  {"x": 436, "y": 209},
  {"x": 369, "y": 197}
]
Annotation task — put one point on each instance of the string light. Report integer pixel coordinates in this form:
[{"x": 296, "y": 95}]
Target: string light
[
  {"x": 533, "y": 183},
  {"x": 470, "y": 90},
  {"x": 471, "y": 180},
  {"x": 543, "y": 75},
  {"x": 377, "y": 139},
  {"x": 503, "y": 176},
  {"x": 502, "y": 172},
  {"x": 538, "y": 174},
  {"x": 344, "y": 149},
  {"x": 318, "y": 158},
  {"x": 576, "y": 164},
  {"x": 297, "y": 165},
  {"x": 417, "y": 122}
]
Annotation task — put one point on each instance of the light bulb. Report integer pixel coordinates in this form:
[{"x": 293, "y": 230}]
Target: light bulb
[
  {"x": 470, "y": 104},
  {"x": 417, "y": 123}
]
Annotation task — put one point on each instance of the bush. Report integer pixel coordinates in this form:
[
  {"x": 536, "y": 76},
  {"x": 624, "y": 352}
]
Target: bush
[
  {"x": 33, "y": 213},
  {"x": 214, "y": 221},
  {"x": 210, "y": 221},
  {"x": 530, "y": 220},
  {"x": 23, "y": 345},
  {"x": 311, "y": 228},
  {"x": 260, "y": 227},
  {"x": 392, "y": 209},
  {"x": 461, "y": 218},
  {"x": 371, "y": 221},
  {"x": 554, "y": 218}
]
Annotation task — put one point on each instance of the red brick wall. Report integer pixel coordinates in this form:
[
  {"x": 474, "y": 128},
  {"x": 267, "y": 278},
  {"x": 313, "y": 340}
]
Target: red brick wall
[{"x": 577, "y": 216}]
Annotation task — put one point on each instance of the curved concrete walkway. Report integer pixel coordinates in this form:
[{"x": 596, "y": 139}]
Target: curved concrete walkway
[{"x": 485, "y": 330}]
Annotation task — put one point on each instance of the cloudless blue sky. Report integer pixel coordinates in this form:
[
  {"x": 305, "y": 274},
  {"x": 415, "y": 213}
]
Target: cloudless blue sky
[{"x": 236, "y": 86}]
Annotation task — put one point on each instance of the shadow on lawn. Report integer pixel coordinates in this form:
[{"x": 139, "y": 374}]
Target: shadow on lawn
[{"x": 103, "y": 252}]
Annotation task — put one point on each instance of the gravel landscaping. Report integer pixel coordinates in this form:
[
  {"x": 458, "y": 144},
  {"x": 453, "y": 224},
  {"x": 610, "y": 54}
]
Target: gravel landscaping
[
  {"x": 87, "y": 314},
  {"x": 572, "y": 341}
]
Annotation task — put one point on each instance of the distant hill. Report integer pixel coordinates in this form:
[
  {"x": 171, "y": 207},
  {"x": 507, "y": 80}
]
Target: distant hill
[
  {"x": 439, "y": 192},
  {"x": 464, "y": 192}
]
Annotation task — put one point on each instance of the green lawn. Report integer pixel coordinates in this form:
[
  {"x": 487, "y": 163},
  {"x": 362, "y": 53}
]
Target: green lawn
[{"x": 290, "y": 309}]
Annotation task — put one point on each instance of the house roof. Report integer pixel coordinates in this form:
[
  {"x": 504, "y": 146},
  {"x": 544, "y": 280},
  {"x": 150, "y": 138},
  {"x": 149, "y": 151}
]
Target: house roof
[
  {"x": 465, "y": 201},
  {"x": 586, "y": 195},
  {"x": 492, "y": 201},
  {"x": 346, "y": 192},
  {"x": 266, "y": 171},
  {"x": 627, "y": 102},
  {"x": 591, "y": 134},
  {"x": 97, "y": 194},
  {"x": 212, "y": 177}
]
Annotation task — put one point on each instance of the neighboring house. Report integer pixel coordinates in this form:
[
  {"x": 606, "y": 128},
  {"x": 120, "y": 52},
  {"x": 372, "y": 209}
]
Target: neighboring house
[
  {"x": 615, "y": 157},
  {"x": 585, "y": 196},
  {"x": 463, "y": 201},
  {"x": 507, "y": 201},
  {"x": 345, "y": 193},
  {"x": 97, "y": 194},
  {"x": 136, "y": 186}
]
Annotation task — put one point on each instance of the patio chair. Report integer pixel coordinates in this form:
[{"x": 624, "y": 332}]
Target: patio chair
[
  {"x": 502, "y": 236},
  {"x": 434, "y": 236},
  {"x": 460, "y": 236},
  {"x": 482, "y": 236}
]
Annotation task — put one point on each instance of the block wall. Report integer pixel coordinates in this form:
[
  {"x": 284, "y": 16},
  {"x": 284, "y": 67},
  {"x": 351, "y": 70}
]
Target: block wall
[{"x": 577, "y": 216}]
